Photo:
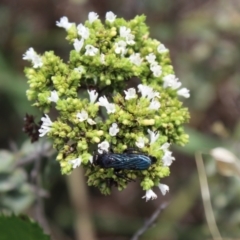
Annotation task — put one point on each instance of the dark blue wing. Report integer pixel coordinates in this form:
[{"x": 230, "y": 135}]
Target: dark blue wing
[{"x": 129, "y": 161}]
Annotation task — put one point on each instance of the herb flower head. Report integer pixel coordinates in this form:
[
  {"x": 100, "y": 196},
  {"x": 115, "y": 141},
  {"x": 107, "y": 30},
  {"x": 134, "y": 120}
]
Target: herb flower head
[{"x": 97, "y": 111}]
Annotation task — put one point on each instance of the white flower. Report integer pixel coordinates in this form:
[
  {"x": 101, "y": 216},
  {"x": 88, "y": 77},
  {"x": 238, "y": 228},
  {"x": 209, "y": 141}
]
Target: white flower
[
  {"x": 90, "y": 121},
  {"x": 148, "y": 92},
  {"x": 184, "y": 92},
  {"x": 64, "y": 23},
  {"x": 79, "y": 69},
  {"x": 140, "y": 142},
  {"x": 82, "y": 116},
  {"x": 93, "y": 95},
  {"x": 165, "y": 146},
  {"x": 150, "y": 195},
  {"x": 78, "y": 44},
  {"x": 83, "y": 31},
  {"x": 104, "y": 103},
  {"x": 90, "y": 50},
  {"x": 135, "y": 59},
  {"x": 111, "y": 108},
  {"x": 171, "y": 81},
  {"x": 75, "y": 162},
  {"x": 167, "y": 158},
  {"x": 130, "y": 93},
  {"x": 124, "y": 31},
  {"x": 130, "y": 39},
  {"x": 156, "y": 69},
  {"x": 161, "y": 48},
  {"x": 32, "y": 56},
  {"x": 102, "y": 58},
  {"x": 151, "y": 58},
  {"x": 46, "y": 125},
  {"x": 154, "y": 105},
  {"x": 163, "y": 188},
  {"x": 103, "y": 146},
  {"x": 153, "y": 136},
  {"x": 54, "y": 96},
  {"x": 92, "y": 16},
  {"x": 114, "y": 129},
  {"x": 120, "y": 47},
  {"x": 110, "y": 16}
]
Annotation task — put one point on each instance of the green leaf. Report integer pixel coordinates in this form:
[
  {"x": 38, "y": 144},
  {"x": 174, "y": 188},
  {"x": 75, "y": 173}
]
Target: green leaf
[
  {"x": 6, "y": 161},
  {"x": 13, "y": 180},
  {"x": 20, "y": 227}
]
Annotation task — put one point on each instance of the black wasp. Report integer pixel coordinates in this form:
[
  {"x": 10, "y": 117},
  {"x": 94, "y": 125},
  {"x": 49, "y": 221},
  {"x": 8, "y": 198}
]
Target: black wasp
[{"x": 130, "y": 159}]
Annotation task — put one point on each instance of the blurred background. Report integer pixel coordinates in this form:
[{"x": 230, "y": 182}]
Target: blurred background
[{"x": 204, "y": 41}]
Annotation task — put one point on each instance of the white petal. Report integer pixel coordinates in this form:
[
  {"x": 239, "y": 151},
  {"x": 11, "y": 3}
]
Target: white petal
[
  {"x": 103, "y": 146},
  {"x": 130, "y": 93},
  {"x": 110, "y": 16},
  {"x": 78, "y": 44},
  {"x": 140, "y": 143},
  {"x": 64, "y": 23},
  {"x": 83, "y": 31},
  {"x": 93, "y": 95},
  {"x": 184, "y": 92},
  {"x": 82, "y": 116},
  {"x": 161, "y": 48},
  {"x": 54, "y": 96},
  {"x": 163, "y": 188},
  {"x": 113, "y": 130},
  {"x": 92, "y": 16},
  {"x": 150, "y": 195}
]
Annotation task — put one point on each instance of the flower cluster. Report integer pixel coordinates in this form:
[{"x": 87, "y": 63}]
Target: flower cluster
[{"x": 97, "y": 112}]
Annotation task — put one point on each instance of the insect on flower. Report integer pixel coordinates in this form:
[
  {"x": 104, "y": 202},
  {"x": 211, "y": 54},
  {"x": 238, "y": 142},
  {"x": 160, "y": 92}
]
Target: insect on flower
[{"x": 130, "y": 159}]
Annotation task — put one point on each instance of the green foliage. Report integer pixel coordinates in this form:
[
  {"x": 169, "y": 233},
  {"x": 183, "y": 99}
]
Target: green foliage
[
  {"x": 16, "y": 193},
  {"x": 20, "y": 227}
]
